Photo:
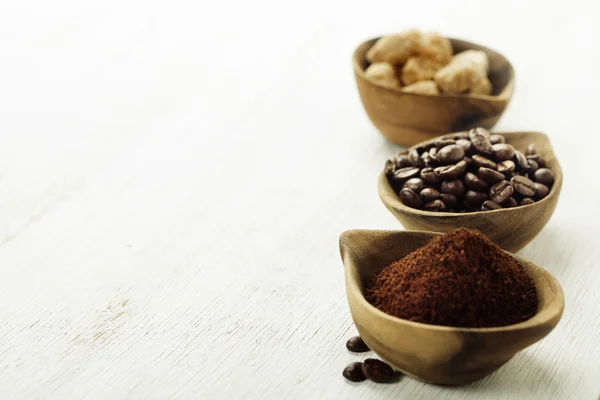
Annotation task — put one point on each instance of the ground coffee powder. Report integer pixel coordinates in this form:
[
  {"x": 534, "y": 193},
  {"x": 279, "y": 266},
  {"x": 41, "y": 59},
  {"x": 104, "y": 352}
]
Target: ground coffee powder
[{"x": 458, "y": 279}]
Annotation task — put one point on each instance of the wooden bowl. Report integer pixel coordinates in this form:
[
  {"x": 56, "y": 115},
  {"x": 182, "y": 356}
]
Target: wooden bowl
[
  {"x": 509, "y": 228},
  {"x": 407, "y": 118},
  {"x": 431, "y": 353}
]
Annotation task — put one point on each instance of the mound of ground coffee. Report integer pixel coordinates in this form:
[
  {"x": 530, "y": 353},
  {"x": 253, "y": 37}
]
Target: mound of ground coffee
[{"x": 458, "y": 279}]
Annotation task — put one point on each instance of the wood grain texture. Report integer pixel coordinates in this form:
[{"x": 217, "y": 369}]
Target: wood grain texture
[
  {"x": 175, "y": 177},
  {"x": 409, "y": 118},
  {"x": 510, "y": 228},
  {"x": 437, "y": 354}
]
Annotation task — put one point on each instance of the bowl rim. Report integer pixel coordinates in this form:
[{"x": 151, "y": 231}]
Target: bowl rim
[
  {"x": 390, "y": 198},
  {"x": 504, "y": 95},
  {"x": 352, "y": 282}
]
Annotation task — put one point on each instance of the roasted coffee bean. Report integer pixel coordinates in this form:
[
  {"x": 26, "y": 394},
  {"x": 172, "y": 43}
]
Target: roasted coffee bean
[
  {"x": 495, "y": 139},
  {"x": 521, "y": 160},
  {"x": 488, "y": 175},
  {"x": 450, "y": 154},
  {"x": 489, "y": 205},
  {"x": 503, "y": 151},
  {"x": 429, "y": 194},
  {"x": 530, "y": 150},
  {"x": 436, "y": 205},
  {"x": 461, "y": 136},
  {"x": 433, "y": 153},
  {"x": 390, "y": 167},
  {"x": 538, "y": 159},
  {"x": 533, "y": 166},
  {"x": 468, "y": 160},
  {"x": 501, "y": 192},
  {"x": 545, "y": 176},
  {"x": 506, "y": 166},
  {"x": 443, "y": 142},
  {"x": 481, "y": 140},
  {"x": 541, "y": 190},
  {"x": 481, "y": 161},
  {"x": 510, "y": 203},
  {"x": 429, "y": 175},
  {"x": 426, "y": 160},
  {"x": 454, "y": 186},
  {"x": 402, "y": 161},
  {"x": 451, "y": 171},
  {"x": 523, "y": 185},
  {"x": 473, "y": 182},
  {"x": 414, "y": 158},
  {"x": 404, "y": 174},
  {"x": 526, "y": 200},
  {"x": 475, "y": 199},
  {"x": 357, "y": 345},
  {"x": 410, "y": 198},
  {"x": 449, "y": 200},
  {"x": 465, "y": 144},
  {"x": 354, "y": 372},
  {"x": 377, "y": 371},
  {"x": 414, "y": 184}
]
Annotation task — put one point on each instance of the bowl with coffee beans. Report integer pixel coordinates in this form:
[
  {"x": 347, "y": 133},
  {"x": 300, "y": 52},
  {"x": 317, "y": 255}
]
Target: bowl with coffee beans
[
  {"x": 505, "y": 185},
  {"x": 415, "y": 85}
]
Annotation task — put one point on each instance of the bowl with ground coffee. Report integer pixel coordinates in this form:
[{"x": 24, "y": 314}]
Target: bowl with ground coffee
[
  {"x": 505, "y": 185},
  {"x": 445, "y": 308}
]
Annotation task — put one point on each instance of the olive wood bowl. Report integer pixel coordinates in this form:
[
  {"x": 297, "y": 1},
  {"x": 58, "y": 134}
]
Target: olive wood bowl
[
  {"x": 509, "y": 228},
  {"x": 432, "y": 353},
  {"x": 408, "y": 118}
]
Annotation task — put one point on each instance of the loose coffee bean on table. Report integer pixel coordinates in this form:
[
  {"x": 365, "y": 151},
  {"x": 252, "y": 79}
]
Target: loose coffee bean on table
[
  {"x": 462, "y": 171},
  {"x": 354, "y": 372},
  {"x": 377, "y": 371},
  {"x": 357, "y": 345}
]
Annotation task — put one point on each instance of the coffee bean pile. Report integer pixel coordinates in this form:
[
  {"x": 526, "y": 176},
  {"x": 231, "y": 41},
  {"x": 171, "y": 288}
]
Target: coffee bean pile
[
  {"x": 466, "y": 172},
  {"x": 371, "y": 368}
]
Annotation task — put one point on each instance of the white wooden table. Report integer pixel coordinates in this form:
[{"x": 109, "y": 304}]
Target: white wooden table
[{"x": 174, "y": 177}]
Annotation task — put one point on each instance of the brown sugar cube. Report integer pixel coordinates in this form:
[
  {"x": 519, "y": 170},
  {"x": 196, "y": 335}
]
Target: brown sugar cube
[
  {"x": 483, "y": 86},
  {"x": 422, "y": 87},
  {"x": 436, "y": 47},
  {"x": 419, "y": 69},
  {"x": 396, "y": 48},
  {"x": 476, "y": 56},
  {"x": 463, "y": 72},
  {"x": 383, "y": 73}
]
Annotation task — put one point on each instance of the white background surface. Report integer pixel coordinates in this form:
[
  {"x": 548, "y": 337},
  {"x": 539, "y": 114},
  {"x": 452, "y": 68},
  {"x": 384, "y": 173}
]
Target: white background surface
[{"x": 174, "y": 177}]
